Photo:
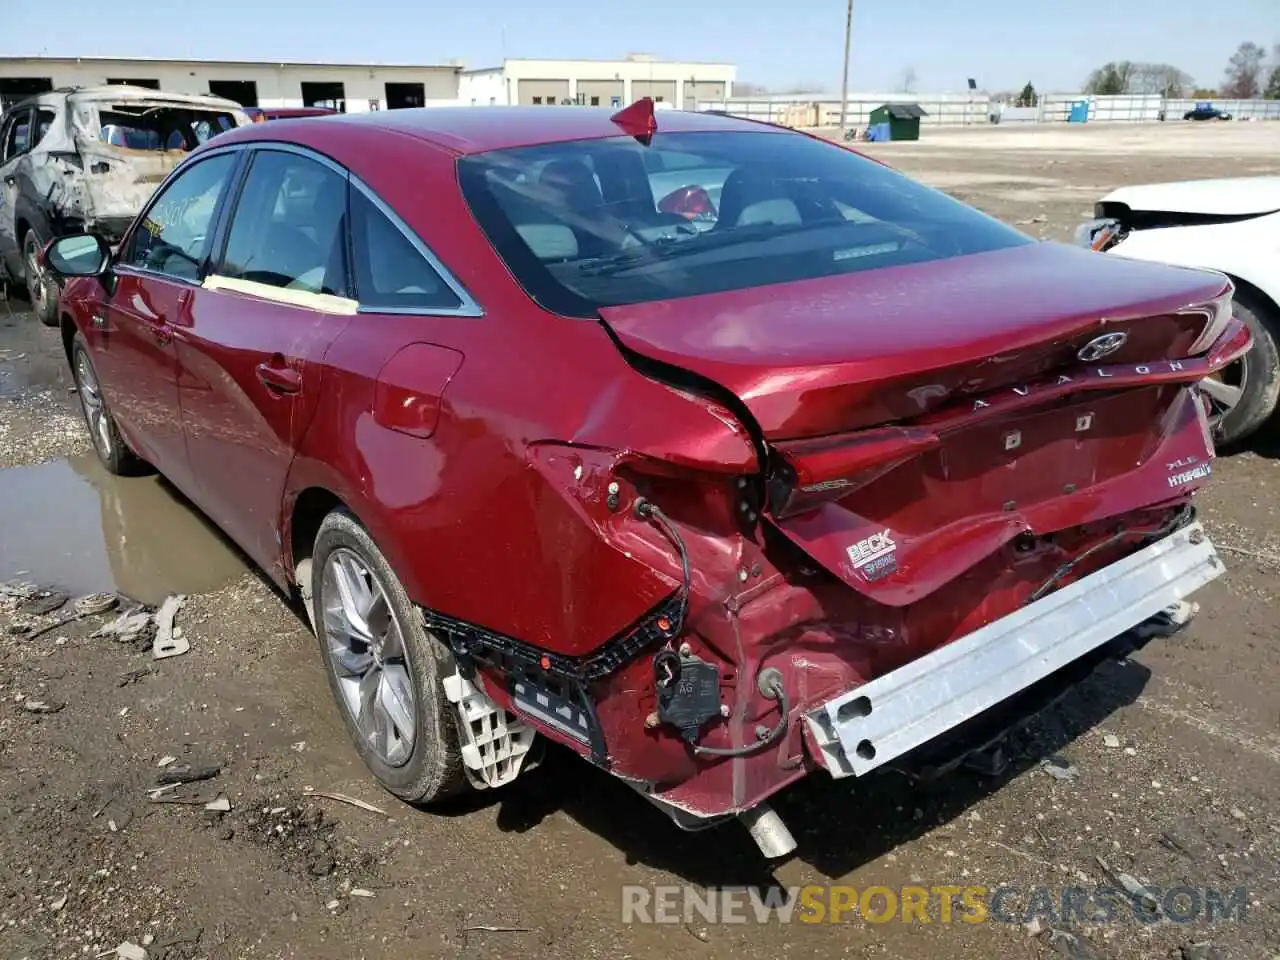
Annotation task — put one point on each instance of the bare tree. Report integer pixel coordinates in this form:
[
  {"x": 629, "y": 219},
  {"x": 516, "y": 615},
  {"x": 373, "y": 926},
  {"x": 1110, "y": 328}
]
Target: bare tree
[
  {"x": 1161, "y": 78},
  {"x": 907, "y": 84},
  {"x": 1110, "y": 78},
  {"x": 1126, "y": 76},
  {"x": 1244, "y": 72},
  {"x": 744, "y": 88}
]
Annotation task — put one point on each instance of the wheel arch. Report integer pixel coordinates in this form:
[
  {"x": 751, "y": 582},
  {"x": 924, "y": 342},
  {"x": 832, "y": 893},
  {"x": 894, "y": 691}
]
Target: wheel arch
[
  {"x": 308, "y": 511},
  {"x": 68, "y": 330},
  {"x": 302, "y": 523},
  {"x": 1260, "y": 296}
]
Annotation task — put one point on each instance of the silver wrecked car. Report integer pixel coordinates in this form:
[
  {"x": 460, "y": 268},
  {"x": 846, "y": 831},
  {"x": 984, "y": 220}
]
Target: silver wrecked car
[{"x": 87, "y": 160}]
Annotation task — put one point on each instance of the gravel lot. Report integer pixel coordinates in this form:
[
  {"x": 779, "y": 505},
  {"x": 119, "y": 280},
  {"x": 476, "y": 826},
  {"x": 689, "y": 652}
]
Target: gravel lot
[{"x": 1176, "y": 755}]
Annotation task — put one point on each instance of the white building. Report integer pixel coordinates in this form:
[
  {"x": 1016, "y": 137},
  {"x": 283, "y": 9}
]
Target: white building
[
  {"x": 348, "y": 86},
  {"x": 600, "y": 83},
  {"x": 356, "y": 87}
]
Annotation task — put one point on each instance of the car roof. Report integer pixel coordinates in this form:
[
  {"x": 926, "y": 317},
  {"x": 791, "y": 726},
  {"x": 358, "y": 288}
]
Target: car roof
[
  {"x": 478, "y": 129},
  {"x": 122, "y": 93}
]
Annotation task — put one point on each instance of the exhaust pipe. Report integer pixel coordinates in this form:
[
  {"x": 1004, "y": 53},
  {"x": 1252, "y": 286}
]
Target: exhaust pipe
[{"x": 769, "y": 832}]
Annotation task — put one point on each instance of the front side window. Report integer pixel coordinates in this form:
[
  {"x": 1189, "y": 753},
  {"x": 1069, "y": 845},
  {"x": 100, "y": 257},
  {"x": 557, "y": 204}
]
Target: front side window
[
  {"x": 289, "y": 226},
  {"x": 16, "y": 136},
  {"x": 174, "y": 236},
  {"x": 594, "y": 223}
]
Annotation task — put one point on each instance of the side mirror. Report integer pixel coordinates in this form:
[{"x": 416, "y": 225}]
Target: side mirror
[{"x": 79, "y": 255}]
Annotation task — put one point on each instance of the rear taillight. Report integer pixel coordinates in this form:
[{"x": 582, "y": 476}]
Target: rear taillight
[
  {"x": 809, "y": 473},
  {"x": 1217, "y": 313},
  {"x": 692, "y": 203}
]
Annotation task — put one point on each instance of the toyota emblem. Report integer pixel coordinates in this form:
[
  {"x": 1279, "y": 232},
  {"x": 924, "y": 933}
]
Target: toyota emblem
[{"x": 1102, "y": 346}]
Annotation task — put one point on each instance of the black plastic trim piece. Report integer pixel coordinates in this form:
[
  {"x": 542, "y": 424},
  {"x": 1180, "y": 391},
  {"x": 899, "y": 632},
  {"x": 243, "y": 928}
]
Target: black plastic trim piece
[
  {"x": 465, "y": 638},
  {"x": 1158, "y": 219},
  {"x": 515, "y": 659}
]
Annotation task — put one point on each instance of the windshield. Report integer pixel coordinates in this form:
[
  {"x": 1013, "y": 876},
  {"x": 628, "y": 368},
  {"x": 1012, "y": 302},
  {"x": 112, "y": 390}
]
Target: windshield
[{"x": 595, "y": 223}]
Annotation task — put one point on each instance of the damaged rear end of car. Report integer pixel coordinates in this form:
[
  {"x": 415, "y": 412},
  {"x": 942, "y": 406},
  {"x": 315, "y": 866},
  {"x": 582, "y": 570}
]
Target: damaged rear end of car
[{"x": 938, "y": 473}]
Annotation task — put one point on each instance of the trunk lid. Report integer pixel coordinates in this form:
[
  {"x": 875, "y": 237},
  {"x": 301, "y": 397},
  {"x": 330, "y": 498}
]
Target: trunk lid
[
  {"x": 843, "y": 353},
  {"x": 920, "y": 419}
]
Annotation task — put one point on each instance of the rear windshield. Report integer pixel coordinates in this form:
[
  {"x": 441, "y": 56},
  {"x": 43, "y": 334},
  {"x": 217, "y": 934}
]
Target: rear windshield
[
  {"x": 595, "y": 223},
  {"x": 160, "y": 128}
]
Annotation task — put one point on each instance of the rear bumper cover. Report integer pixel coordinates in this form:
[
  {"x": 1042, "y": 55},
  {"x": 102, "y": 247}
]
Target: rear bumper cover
[{"x": 880, "y": 721}]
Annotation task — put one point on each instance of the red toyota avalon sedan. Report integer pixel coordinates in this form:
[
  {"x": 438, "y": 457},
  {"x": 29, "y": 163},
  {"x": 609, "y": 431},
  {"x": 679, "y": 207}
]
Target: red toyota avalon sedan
[{"x": 714, "y": 452}]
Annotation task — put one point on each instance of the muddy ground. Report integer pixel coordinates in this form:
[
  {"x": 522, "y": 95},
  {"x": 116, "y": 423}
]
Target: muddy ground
[{"x": 1176, "y": 754}]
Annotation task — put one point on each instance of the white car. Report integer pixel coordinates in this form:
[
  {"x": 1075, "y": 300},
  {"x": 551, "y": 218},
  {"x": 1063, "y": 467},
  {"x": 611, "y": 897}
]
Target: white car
[{"x": 1229, "y": 225}]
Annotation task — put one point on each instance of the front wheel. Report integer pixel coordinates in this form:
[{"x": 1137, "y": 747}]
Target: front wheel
[
  {"x": 42, "y": 290},
  {"x": 1243, "y": 396},
  {"x": 385, "y": 670},
  {"x": 110, "y": 447}
]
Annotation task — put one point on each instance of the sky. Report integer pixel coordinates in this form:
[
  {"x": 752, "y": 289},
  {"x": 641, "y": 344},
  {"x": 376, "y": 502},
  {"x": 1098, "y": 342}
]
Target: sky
[{"x": 1001, "y": 43}]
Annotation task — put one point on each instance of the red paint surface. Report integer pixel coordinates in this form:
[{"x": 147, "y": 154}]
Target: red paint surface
[
  {"x": 845, "y": 352},
  {"x": 411, "y": 386},
  {"x": 490, "y": 497}
]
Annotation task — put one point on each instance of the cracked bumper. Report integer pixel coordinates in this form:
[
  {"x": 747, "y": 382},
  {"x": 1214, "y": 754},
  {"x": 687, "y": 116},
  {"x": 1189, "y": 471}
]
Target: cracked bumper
[{"x": 908, "y": 707}]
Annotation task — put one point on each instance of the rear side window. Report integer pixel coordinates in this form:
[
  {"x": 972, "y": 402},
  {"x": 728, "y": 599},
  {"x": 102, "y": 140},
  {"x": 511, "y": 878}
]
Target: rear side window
[
  {"x": 153, "y": 128},
  {"x": 44, "y": 120},
  {"x": 594, "y": 223},
  {"x": 289, "y": 226},
  {"x": 391, "y": 271}
]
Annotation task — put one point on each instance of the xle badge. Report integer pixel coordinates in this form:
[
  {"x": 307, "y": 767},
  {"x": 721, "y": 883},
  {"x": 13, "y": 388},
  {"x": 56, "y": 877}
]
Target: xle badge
[{"x": 875, "y": 556}]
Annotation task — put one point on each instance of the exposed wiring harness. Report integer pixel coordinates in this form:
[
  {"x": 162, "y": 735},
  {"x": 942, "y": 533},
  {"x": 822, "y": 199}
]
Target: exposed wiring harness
[
  {"x": 771, "y": 686},
  {"x": 648, "y": 510},
  {"x": 770, "y": 681},
  {"x": 1181, "y": 517}
]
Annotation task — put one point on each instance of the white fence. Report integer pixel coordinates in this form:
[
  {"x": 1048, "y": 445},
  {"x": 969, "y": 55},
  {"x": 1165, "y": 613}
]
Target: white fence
[
  {"x": 1239, "y": 109},
  {"x": 823, "y": 110},
  {"x": 1127, "y": 108},
  {"x": 957, "y": 109}
]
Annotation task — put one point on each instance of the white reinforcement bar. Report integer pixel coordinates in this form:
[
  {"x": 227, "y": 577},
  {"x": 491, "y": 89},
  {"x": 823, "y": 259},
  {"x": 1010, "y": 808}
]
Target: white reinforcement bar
[{"x": 884, "y": 719}]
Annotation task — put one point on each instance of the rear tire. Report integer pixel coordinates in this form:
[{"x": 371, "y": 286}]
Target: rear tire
[
  {"x": 1257, "y": 373},
  {"x": 42, "y": 290},
  {"x": 110, "y": 447},
  {"x": 385, "y": 669}
]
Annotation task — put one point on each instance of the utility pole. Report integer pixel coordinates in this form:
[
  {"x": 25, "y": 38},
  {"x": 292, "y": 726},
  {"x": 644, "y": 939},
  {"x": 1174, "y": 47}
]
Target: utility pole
[{"x": 844, "y": 81}]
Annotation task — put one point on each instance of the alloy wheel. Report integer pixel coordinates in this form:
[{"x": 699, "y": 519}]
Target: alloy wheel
[
  {"x": 368, "y": 656},
  {"x": 1225, "y": 389},
  {"x": 95, "y": 412}
]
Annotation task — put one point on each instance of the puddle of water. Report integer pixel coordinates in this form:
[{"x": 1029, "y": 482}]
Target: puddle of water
[
  {"x": 71, "y": 524},
  {"x": 23, "y": 370}
]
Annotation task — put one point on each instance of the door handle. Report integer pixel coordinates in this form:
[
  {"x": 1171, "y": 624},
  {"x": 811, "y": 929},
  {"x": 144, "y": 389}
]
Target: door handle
[
  {"x": 275, "y": 376},
  {"x": 10, "y": 180}
]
